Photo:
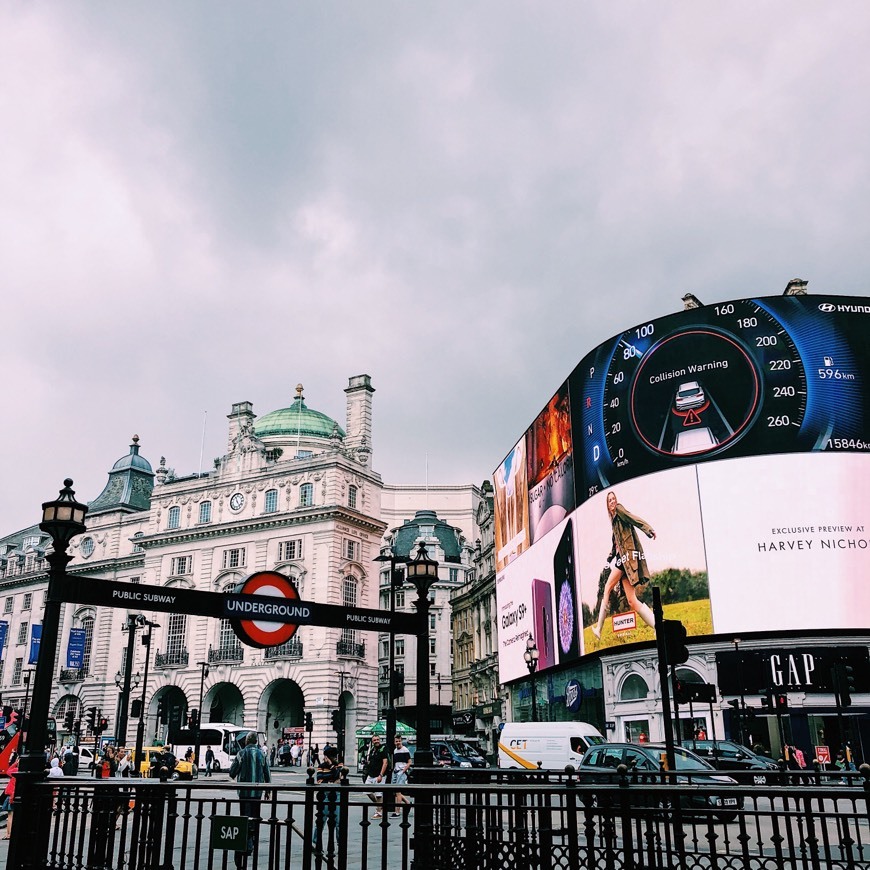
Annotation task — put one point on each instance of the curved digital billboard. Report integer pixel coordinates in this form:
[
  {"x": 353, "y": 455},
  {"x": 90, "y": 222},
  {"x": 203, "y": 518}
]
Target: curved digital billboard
[{"x": 715, "y": 453}]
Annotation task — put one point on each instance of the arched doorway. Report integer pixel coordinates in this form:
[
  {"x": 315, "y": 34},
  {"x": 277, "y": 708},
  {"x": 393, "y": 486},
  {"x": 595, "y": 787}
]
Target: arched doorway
[
  {"x": 224, "y": 703},
  {"x": 282, "y": 707},
  {"x": 348, "y": 715}
]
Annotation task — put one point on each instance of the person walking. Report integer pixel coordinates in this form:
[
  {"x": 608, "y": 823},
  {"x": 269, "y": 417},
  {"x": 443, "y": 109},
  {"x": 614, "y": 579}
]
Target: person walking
[
  {"x": 401, "y": 766},
  {"x": 329, "y": 773},
  {"x": 294, "y": 754},
  {"x": 250, "y": 765},
  {"x": 209, "y": 760},
  {"x": 376, "y": 765}
]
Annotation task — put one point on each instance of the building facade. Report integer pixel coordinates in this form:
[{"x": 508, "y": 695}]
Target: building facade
[{"x": 294, "y": 492}]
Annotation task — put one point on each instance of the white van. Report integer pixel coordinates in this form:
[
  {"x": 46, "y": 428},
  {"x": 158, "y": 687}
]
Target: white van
[{"x": 550, "y": 745}]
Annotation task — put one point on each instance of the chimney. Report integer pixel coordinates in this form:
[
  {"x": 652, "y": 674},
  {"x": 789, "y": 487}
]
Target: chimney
[{"x": 359, "y": 416}]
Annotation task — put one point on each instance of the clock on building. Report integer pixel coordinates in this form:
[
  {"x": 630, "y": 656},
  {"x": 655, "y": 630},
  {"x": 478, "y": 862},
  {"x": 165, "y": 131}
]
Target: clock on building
[{"x": 237, "y": 502}]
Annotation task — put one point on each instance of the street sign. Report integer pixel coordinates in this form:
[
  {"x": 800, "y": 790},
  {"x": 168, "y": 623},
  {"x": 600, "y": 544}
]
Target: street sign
[
  {"x": 823, "y": 754},
  {"x": 229, "y": 832},
  {"x": 264, "y": 633}
]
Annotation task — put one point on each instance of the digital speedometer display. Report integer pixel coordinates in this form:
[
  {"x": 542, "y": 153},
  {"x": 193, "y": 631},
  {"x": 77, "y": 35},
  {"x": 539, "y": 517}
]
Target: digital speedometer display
[{"x": 748, "y": 377}]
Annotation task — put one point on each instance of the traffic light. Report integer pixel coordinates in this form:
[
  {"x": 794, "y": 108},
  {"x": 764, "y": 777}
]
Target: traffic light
[
  {"x": 309, "y": 722},
  {"x": 780, "y": 702},
  {"x": 336, "y": 721},
  {"x": 675, "y": 641},
  {"x": 68, "y": 721},
  {"x": 92, "y": 720},
  {"x": 77, "y": 727},
  {"x": 847, "y": 684},
  {"x": 398, "y": 683},
  {"x": 681, "y": 692},
  {"x": 136, "y": 708},
  {"x": 767, "y": 701},
  {"x": 161, "y": 711},
  {"x": 193, "y": 718},
  {"x": 102, "y": 725}
]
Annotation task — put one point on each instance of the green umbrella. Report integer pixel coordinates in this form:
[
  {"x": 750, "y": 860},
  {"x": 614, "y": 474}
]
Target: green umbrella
[{"x": 380, "y": 728}]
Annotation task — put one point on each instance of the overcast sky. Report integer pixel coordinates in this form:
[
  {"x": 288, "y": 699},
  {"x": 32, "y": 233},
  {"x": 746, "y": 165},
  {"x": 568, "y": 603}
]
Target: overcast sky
[{"x": 202, "y": 203}]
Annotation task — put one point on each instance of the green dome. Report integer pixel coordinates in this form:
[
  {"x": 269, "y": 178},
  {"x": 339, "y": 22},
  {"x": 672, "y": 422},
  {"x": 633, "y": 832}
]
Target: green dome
[{"x": 298, "y": 419}]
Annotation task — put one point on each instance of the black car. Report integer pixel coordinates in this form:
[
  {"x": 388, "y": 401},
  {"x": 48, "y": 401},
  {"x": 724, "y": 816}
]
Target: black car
[
  {"x": 600, "y": 763},
  {"x": 742, "y": 763},
  {"x": 457, "y": 753}
]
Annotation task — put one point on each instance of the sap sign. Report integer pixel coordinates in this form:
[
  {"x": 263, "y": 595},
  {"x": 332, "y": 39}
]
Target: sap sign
[{"x": 229, "y": 832}]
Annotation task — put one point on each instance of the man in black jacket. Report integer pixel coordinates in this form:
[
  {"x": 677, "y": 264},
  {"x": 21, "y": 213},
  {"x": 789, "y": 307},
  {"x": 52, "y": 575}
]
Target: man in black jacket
[{"x": 250, "y": 765}]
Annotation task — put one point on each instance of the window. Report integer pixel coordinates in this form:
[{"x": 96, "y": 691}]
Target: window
[
  {"x": 16, "y": 672},
  {"x": 454, "y": 575},
  {"x": 181, "y": 565},
  {"x": 432, "y": 670},
  {"x": 431, "y": 646},
  {"x": 28, "y": 601},
  {"x": 227, "y": 637},
  {"x": 138, "y": 548},
  {"x": 400, "y": 599},
  {"x": 44, "y": 597},
  {"x": 88, "y": 625},
  {"x": 351, "y": 549},
  {"x": 634, "y": 688},
  {"x": 304, "y": 454},
  {"x": 400, "y": 646},
  {"x": 205, "y": 511},
  {"x": 270, "y": 501},
  {"x": 351, "y": 496},
  {"x": 306, "y": 495},
  {"x": 175, "y": 636},
  {"x": 349, "y": 599},
  {"x": 174, "y": 520},
  {"x": 87, "y": 546},
  {"x": 432, "y": 618},
  {"x": 7, "y": 607},
  {"x": 30, "y": 541},
  {"x": 288, "y": 550},
  {"x": 234, "y": 558},
  {"x": 22, "y": 632}
]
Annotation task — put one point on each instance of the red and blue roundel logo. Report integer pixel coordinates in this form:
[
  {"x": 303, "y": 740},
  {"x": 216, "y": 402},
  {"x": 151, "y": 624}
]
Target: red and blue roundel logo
[{"x": 261, "y": 633}]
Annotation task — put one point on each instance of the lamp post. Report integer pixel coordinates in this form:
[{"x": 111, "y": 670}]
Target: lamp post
[
  {"x": 203, "y": 674},
  {"x": 422, "y": 573},
  {"x": 126, "y": 683},
  {"x": 130, "y": 627},
  {"x": 140, "y": 727},
  {"x": 742, "y": 717},
  {"x": 62, "y": 519},
  {"x": 531, "y": 658},
  {"x": 396, "y": 579}
]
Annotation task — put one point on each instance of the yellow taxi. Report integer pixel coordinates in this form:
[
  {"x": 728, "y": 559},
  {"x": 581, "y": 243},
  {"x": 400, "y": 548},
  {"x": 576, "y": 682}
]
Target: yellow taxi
[{"x": 183, "y": 769}]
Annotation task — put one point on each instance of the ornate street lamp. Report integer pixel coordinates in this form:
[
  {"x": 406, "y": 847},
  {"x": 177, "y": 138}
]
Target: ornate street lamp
[
  {"x": 140, "y": 727},
  {"x": 531, "y": 658},
  {"x": 203, "y": 674},
  {"x": 130, "y": 627},
  {"x": 62, "y": 520},
  {"x": 396, "y": 579},
  {"x": 422, "y": 574}
]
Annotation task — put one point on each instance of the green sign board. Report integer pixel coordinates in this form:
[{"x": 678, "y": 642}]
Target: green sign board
[{"x": 229, "y": 832}]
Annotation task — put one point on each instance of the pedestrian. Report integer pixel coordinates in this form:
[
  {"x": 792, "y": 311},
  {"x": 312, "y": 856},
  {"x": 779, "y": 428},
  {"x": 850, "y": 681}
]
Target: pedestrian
[
  {"x": 294, "y": 754},
  {"x": 124, "y": 763},
  {"x": 401, "y": 766},
  {"x": 316, "y": 760},
  {"x": 330, "y": 773},
  {"x": 9, "y": 796},
  {"x": 301, "y": 747},
  {"x": 376, "y": 765},
  {"x": 209, "y": 760},
  {"x": 272, "y": 753},
  {"x": 250, "y": 765}
]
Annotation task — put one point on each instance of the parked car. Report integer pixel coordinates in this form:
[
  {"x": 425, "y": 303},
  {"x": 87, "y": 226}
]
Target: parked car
[
  {"x": 455, "y": 753},
  {"x": 742, "y": 763},
  {"x": 181, "y": 770},
  {"x": 599, "y": 764}
]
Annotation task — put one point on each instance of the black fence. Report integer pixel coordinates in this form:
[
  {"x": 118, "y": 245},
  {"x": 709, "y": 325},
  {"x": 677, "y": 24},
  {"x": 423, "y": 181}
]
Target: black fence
[{"x": 489, "y": 820}]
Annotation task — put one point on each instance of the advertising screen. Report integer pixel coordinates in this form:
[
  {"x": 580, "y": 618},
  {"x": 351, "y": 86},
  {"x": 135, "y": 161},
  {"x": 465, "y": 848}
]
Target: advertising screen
[{"x": 716, "y": 453}]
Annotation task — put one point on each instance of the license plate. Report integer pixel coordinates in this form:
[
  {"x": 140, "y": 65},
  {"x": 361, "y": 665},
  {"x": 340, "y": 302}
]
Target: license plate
[{"x": 729, "y": 802}]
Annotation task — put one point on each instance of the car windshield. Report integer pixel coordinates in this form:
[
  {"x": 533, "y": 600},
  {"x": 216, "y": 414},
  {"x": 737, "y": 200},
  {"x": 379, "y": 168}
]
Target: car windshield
[
  {"x": 467, "y": 749},
  {"x": 686, "y": 761},
  {"x": 692, "y": 391}
]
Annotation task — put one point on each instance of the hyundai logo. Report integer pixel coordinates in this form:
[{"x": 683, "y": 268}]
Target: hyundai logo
[{"x": 825, "y": 306}]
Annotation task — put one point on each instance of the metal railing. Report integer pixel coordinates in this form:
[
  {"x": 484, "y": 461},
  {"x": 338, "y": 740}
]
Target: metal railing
[
  {"x": 175, "y": 659},
  {"x": 225, "y": 654},
  {"x": 292, "y": 649},
  {"x": 474, "y": 819},
  {"x": 351, "y": 648},
  {"x": 72, "y": 675}
]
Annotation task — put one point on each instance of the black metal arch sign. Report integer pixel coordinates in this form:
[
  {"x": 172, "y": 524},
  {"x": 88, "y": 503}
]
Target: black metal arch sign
[{"x": 259, "y": 620}]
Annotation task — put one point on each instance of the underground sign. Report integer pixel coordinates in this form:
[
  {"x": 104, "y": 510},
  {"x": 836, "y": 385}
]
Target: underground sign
[{"x": 261, "y": 632}]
